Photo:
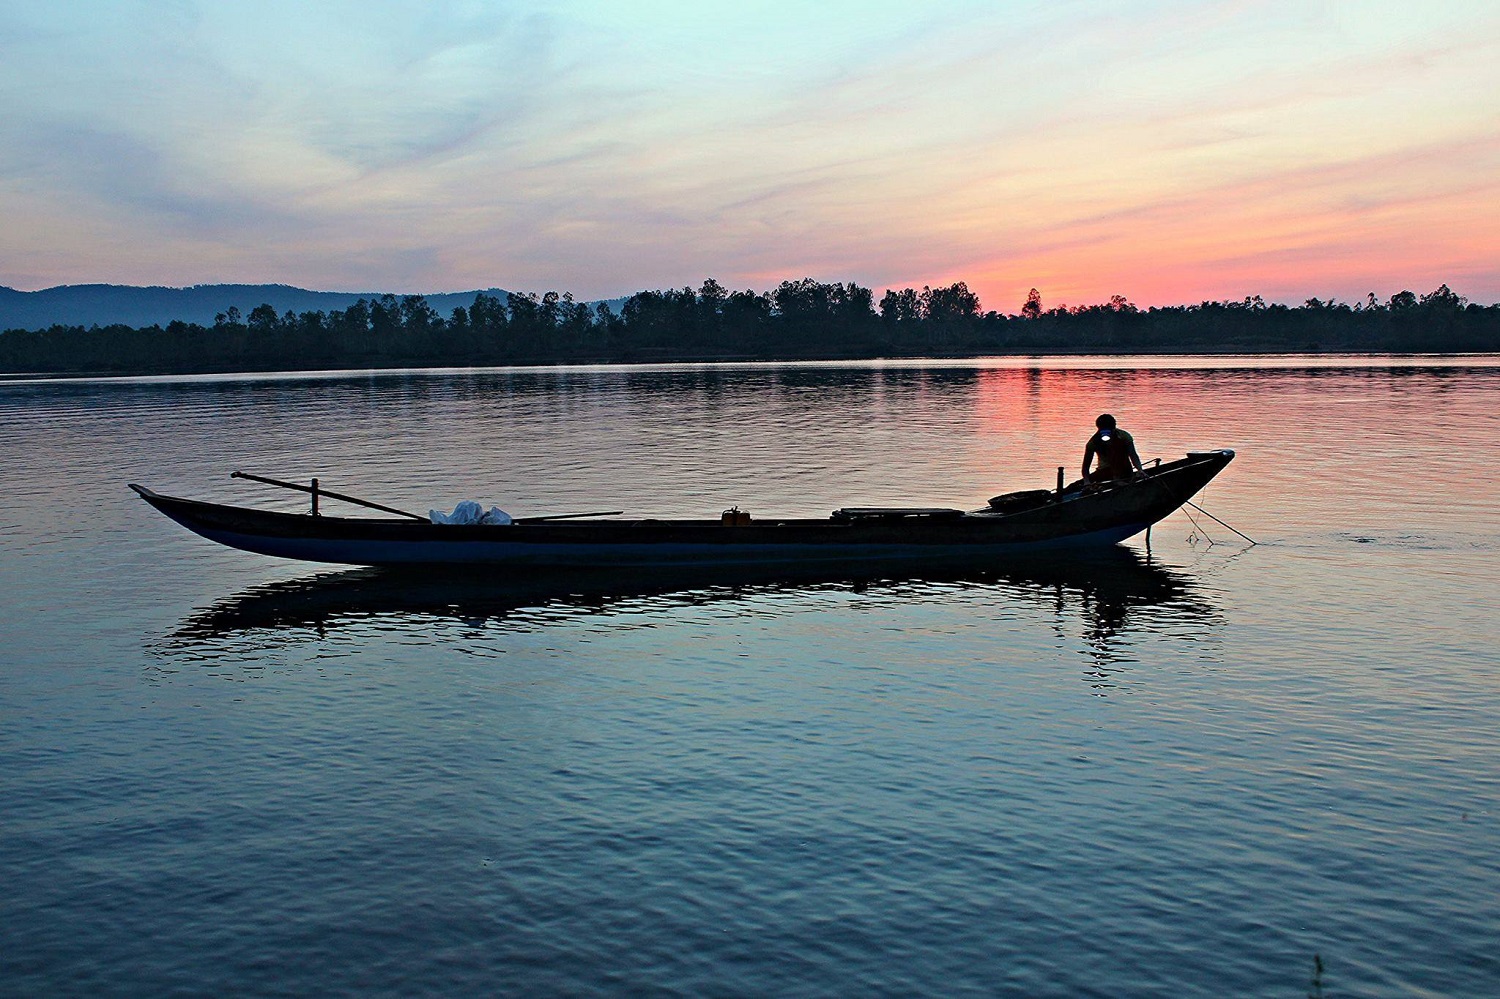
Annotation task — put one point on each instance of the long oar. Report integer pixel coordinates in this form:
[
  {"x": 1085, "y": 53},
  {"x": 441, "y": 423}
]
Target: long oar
[{"x": 318, "y": 491}]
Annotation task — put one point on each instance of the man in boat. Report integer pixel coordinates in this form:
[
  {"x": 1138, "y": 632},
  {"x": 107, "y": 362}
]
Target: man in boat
[{"x": 1115, "y": 450}]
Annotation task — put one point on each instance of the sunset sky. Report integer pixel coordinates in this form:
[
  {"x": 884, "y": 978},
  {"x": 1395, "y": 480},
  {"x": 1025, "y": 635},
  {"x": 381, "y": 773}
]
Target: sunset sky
[{"x": 1167, "y": 151}]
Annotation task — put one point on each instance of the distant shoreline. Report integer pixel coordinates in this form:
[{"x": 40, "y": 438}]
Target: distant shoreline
[{"x": 798, "y": 321}]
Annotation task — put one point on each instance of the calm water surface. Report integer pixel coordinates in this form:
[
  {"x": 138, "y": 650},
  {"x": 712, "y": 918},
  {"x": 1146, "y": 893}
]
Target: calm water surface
[{"x": 1178, "y": 775}]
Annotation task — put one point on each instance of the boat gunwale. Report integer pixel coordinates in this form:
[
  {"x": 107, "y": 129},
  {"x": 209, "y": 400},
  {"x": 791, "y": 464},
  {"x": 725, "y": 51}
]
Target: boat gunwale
[{"x": 1157, "y": 474}]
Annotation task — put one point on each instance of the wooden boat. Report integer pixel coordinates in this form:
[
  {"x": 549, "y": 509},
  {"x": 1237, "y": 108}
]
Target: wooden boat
[{"x": 1074, "y": 516}]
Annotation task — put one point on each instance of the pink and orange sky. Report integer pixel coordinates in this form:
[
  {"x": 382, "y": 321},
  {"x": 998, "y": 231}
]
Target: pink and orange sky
[{"x": 1167, "y": 151}]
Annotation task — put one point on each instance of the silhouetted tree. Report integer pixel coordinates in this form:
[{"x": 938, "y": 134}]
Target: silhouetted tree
[
  {"x": 902, "y": 307},
  {"x": 1443, "y": 300},
  {"x": 1033, "y": 307},
  {"x": 263, "y": 319},
  {"x": 955, "y": 303}
]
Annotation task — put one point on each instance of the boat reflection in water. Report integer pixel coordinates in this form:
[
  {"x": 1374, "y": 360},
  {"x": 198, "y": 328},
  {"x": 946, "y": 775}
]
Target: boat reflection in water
[{"x": 1106, "y": 594}]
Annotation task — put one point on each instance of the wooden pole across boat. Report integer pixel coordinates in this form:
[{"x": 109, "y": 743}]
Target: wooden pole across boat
[
  {"x": 567, "y": 516},
  {"x": 317, "y": 491}
]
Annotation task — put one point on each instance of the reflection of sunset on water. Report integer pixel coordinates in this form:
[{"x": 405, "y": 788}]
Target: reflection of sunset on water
[{"x": 1042, "y": 411}]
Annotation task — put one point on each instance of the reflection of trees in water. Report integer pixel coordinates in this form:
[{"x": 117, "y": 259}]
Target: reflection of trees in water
[{"x": 1110, "y": 594}]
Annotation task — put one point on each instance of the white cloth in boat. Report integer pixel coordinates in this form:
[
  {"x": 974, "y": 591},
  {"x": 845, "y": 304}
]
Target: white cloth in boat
[{"x": 469, "y": 512}]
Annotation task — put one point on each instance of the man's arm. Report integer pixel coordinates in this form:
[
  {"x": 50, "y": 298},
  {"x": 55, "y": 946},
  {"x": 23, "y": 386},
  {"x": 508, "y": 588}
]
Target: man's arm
[
  {"x": 1088, "y": 458},
  {"x": 1135, "y": 457}
]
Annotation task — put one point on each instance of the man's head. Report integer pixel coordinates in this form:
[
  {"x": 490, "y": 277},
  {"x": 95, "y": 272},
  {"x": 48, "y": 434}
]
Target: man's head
[{"x": 1105, "y": 422}]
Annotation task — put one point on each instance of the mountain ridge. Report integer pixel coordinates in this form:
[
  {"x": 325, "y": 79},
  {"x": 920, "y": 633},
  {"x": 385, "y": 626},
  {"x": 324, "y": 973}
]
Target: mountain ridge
[{"x": 150, "y": 305}]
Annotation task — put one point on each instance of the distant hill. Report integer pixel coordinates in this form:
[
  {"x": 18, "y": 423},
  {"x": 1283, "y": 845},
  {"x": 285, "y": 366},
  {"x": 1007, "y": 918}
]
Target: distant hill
[{"x": 106, "y": 304}]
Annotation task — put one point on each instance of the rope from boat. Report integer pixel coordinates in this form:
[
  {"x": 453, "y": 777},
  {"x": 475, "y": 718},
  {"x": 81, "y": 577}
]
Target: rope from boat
[
  {"x": 1187, "y": 502},
  {"x": 1197, "y": 530},
  {"x": 1216, "y": 520}
]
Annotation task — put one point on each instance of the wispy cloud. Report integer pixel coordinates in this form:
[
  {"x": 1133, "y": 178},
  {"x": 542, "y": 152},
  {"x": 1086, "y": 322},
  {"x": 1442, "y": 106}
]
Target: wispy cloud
[{"x": 1160, "y": 148}]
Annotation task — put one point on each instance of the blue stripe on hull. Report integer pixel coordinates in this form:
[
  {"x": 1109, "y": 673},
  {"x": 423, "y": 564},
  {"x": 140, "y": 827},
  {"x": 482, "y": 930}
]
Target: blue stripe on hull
[{"x": 617, "y": 555}]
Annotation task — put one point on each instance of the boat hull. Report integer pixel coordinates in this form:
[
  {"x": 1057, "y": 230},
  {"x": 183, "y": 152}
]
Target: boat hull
[{"x": 1077, "y": 519}]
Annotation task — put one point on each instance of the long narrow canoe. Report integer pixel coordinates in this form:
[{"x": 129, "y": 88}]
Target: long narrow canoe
[{"x": 1072, "y": 517}]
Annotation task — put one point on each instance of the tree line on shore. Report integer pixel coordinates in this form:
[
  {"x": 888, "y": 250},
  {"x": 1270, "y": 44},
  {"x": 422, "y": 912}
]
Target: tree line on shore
[{"x": 804, "y": 319}]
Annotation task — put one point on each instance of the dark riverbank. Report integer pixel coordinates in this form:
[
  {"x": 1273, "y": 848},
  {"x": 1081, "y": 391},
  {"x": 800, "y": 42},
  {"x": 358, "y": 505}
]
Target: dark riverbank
[{"x": 802, "y": 320}]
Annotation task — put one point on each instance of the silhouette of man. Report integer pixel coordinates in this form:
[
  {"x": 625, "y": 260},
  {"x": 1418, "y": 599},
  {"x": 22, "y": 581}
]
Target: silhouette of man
[{"x": 1115, "y": 450}]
